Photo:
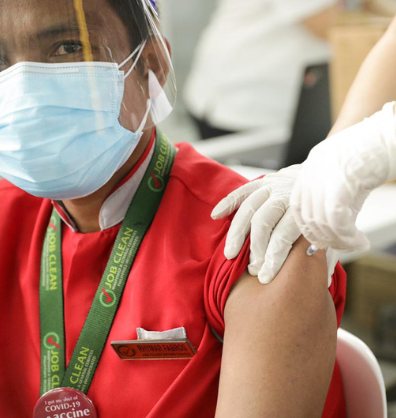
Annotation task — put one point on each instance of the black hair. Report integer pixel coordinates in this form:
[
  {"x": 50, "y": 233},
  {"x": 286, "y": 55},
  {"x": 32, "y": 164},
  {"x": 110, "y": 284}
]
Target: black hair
[{"x": 132, "y": 14}]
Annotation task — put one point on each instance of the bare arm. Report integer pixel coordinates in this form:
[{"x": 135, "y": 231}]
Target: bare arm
[
  {"x": 320, "y": 23},
  {"x": 374, "y": 85},
  {"x": 279, "y": 343}
]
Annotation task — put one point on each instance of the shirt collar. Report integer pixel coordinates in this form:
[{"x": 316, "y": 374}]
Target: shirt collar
[{"x": 115, "y": 206}]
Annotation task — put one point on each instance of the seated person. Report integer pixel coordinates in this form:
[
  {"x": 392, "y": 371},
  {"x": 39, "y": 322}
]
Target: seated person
[{"x": 106, "y": 232}]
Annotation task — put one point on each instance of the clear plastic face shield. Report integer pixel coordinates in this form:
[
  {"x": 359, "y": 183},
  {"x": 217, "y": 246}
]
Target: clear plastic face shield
[
  {"x": 79, "y": 80},
  {"x": 124, "y": 32}
]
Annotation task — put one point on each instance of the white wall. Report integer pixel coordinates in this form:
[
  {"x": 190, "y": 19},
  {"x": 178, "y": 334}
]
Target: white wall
[{"x": 182, "y": 22}]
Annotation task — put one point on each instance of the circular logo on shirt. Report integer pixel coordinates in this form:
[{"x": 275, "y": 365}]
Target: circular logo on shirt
[
  {"x": 156, "y": 183},
  {"x": 51, "y": 341},
  {"x": 107, "y": 298},
  {"x": 64, "y": 402}
]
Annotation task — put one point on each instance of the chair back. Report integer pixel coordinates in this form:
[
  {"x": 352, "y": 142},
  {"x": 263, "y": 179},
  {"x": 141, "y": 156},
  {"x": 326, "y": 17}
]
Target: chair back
[{"x": 364, "y": 385}]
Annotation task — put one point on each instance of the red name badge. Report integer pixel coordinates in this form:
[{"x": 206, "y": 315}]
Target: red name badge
[
  {"x": 64, "y": 403},
  {"x": 154, "y": 349}
]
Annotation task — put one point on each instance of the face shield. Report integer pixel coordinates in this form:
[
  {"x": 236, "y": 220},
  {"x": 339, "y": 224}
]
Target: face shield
[
  {"x": 64, "y": 31},
  {"x": 80, "y": 80}
]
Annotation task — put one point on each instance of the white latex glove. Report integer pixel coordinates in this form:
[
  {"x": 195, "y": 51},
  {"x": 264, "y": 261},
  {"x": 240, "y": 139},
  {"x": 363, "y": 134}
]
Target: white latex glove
[
  {"x": 264, "y": 208},
  {"x": 337, "y": 177}
]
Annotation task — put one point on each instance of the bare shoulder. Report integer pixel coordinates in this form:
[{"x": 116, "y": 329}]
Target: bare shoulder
[
  {"x": 302, "y": 279},
  {"x": 279, "y": 341}
]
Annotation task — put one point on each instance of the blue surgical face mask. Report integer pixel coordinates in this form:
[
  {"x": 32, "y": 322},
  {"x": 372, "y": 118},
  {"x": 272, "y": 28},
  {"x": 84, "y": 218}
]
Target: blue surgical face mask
[{"x": 60, "y": 136}]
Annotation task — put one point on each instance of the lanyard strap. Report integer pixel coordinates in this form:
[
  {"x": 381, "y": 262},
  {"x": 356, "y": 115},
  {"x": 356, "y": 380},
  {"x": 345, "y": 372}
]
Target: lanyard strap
[{"x": 91, "y": 342}]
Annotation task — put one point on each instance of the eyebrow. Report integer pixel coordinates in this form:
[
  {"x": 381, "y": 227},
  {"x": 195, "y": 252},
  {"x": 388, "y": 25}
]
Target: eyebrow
[{"x": 71, "y": 26}]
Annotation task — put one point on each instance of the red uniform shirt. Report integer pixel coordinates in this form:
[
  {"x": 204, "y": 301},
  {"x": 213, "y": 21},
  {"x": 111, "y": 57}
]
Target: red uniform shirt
[{"x": 180, "y": 279}]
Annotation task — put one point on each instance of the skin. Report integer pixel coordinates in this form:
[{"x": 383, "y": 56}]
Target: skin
[
  {"x": 286, "y": 377},
  {"x": 307, "y": 333},
  {"x": 49, "y": 33},
  {"x": 85, "y": 211},
  {"x": 282, "y": 353},
  {"x": 374, "y": 85},
  {"x": 279, "y": 345}
]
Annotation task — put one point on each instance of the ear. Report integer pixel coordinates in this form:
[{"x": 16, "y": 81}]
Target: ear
[{"x": 156, "y": 56}]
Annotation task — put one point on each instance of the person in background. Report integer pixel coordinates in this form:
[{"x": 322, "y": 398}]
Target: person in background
[{"x": 250, "y": 60}]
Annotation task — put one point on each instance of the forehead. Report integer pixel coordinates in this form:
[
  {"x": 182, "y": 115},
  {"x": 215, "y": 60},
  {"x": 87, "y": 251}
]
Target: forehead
[{"x": 32, "y": 16}]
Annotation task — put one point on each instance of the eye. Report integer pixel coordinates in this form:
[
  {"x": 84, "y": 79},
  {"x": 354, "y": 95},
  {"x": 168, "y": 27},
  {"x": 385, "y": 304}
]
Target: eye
[{"x": 67, "y": 48}]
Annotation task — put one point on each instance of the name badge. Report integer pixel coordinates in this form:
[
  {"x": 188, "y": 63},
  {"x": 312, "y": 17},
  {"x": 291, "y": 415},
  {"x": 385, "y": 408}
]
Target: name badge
[{"x": 154, "y": 349}]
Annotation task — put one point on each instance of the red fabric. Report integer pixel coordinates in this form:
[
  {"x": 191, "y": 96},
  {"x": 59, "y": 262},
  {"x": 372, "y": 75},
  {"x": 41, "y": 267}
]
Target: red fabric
[
  {"x": 180, "y": 278},
  {"x": 138, "y": 163}
]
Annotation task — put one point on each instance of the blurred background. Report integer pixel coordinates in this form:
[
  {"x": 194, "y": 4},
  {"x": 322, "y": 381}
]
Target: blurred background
[
  {"x": 291, "y": 111},
  {"x": 183, "y": 23}
]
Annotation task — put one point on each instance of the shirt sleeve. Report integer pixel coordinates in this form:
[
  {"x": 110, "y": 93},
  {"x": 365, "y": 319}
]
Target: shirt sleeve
[
  {"x": 220, "y": 277},
  {"x": 299, "y": 10},
  {"x": 338, "y": 291},
  {"x": 222, "y": 274}
]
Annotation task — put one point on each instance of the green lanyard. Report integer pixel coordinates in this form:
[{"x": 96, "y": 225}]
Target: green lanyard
[{"x": 91, "y": 342}]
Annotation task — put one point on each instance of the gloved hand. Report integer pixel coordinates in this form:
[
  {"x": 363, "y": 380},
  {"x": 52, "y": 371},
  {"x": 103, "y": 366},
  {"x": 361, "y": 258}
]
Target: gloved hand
[
  {"x": 337, "y": 177},
  {"x": 264, "y": 208}
]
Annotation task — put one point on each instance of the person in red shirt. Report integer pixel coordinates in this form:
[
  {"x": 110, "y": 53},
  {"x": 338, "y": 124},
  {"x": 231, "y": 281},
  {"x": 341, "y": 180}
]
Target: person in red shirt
[{"x": 84, "y": 166}]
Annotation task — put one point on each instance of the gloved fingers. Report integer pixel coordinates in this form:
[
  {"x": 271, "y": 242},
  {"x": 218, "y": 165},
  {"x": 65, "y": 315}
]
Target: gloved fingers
[
  {"x": 345, "y": 237},
  {"x": 303, "y": 208},
  {"x": 321, "y": 219},
  {"x": 358, "y": 240},
  {"x": 241, "y": 224},
  {"x": 323, "y": 240},
  {"x": 312, "y": 218},
  {"x": 327, "y": 199},
  {"x": 307, "y": 197},
  {"x": 296, "y": 203},
  {"x": 332, "y": 260},
  {"x": 281, "y": 241},
  {"x": 342, "y": 208},
  {"x": 301, "y": 200},
  {"x": 339, "y": 207},
  {"x": 359, "y": 200},
  {"x": 263, "y": 224},
  {"x": 339, "y": 226},
  {"x": 234, "y": 200},
  {"x": 320, "y": 230},
  {"x": 286, "y": 175}
]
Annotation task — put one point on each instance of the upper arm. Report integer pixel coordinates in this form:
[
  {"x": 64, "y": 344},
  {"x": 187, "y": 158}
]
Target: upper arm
[
  {"x": 374, "y": 85},
  {"x": 279, "y": 342}
]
